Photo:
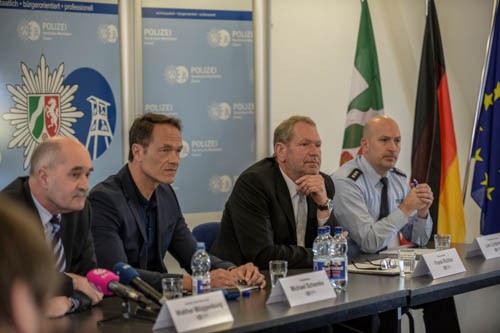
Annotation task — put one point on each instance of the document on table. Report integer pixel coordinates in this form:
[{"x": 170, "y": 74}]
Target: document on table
[{"x": 418, "y": 252}]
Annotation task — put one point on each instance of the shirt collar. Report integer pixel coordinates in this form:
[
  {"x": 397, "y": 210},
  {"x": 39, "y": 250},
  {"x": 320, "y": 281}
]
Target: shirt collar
[
  {"x": 140, "y": 198},
  {"x": 369, "y": 171},
  {"x": 44, "y": 214},
  {"x": 292, "y": 187}
]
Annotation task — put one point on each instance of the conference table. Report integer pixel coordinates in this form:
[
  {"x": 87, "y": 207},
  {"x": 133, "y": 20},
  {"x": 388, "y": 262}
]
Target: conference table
[{"x": 365, "y": 295}]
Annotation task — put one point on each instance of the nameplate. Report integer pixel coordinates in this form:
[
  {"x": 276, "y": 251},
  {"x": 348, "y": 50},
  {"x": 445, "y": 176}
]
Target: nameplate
[
  {"x": 487, "y": 246},
  {"x": 439, "y": 264},
  {"x": 194, "y": 312},
  {"x": 302, "y": 289}
]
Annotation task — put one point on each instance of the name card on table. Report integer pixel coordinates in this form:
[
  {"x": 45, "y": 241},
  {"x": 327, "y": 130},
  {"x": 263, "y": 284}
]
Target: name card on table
[
  {"x": 302, "y": 289},
  {"x": 488, "y": 246},
  {"x": 439, "y": 264},
  {"x": 194, "y": 312}
]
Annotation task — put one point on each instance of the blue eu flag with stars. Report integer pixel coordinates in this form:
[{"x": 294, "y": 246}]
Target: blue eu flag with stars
[{"x": 486, "y": 145}]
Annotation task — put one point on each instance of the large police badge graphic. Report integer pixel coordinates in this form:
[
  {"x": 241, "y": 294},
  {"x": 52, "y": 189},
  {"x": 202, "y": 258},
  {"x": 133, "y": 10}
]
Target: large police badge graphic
[{"x": 43, "y": 108}]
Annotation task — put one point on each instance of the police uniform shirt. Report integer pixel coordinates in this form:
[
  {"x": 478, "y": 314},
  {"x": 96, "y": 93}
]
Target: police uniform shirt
[{"x": 357, "y": 205}]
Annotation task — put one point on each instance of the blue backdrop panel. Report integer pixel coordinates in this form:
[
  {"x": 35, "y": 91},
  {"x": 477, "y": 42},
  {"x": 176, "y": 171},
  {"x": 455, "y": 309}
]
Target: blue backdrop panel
[
  {"x": 198, "y": 66},
  {"x": 59, "y": 75}
]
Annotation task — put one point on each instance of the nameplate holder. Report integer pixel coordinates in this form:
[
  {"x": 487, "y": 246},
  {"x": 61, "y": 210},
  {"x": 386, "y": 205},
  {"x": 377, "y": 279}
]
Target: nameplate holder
[
  {"x": 302, "y": 289},
  {"x": 439, "y": 264},
  {"x": 194, "y": 312},
  {"x": 488, "y": 246}
]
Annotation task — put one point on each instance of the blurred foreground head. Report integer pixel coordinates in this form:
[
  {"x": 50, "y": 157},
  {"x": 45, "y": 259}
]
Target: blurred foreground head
[{"x": 27, "y": 275}]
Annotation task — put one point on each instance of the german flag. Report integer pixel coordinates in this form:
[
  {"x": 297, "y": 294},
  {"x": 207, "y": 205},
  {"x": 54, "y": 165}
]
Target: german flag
[{"x": 434, "y": 149}]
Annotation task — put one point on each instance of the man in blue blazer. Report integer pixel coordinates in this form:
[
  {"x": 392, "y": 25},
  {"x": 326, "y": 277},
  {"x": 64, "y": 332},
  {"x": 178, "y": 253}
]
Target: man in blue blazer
[{"x": 136, "y": 215}]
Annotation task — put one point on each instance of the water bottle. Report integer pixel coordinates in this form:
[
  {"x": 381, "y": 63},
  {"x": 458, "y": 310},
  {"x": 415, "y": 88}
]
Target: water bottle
[
  {"x": 200, "y": 270},
  {"x": 339, "y": 260},
  {"x": 321, "y": 250}
]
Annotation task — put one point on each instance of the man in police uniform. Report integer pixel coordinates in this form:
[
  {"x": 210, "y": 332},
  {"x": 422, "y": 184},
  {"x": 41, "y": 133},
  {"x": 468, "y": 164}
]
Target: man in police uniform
[
  {"x": 373, "y": 223},
  {"x": 375, "y": 203}
]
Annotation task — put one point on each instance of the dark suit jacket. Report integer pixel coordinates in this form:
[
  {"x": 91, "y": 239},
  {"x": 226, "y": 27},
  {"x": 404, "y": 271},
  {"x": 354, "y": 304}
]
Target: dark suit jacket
[
  {"x": 119, "y": 228},
  {"x": 258, "y": 222},
  {"x": 75, "y": 233}
]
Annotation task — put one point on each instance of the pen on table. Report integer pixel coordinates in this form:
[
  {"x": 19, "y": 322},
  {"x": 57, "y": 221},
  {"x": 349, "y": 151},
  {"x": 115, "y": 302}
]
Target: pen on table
[{"x": 415, "y": 182}]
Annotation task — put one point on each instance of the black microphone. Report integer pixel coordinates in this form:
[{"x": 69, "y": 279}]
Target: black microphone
[
  {"x": 129, "y": 276},
  {"x": 107, "y": 282}
]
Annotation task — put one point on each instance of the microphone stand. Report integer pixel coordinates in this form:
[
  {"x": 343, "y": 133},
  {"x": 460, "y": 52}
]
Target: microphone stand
[{"x": 127, "y": 313}]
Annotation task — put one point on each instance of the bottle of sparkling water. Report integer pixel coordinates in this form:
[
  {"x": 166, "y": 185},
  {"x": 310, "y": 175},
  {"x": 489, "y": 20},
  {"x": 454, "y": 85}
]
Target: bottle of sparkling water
[
  {"x": 200, "y": 270},
  {"x": 321, "y": 250},
  {"x": 339, "y": 260}
]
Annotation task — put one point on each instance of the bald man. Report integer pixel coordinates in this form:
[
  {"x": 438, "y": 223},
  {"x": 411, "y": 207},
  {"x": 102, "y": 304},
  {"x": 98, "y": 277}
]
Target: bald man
[
  {"x": 56, "y": 191},
  {"x": 358, "y": 208}
]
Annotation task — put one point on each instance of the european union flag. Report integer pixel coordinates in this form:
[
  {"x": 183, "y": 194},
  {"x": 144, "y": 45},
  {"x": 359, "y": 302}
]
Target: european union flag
[{"x": 486, "y": 147}]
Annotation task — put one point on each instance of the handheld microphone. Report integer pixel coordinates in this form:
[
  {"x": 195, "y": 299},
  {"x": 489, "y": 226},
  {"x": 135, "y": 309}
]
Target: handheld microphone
[
  {"x": 129, "y": 276},
  {"x": 107, "y": 282}
]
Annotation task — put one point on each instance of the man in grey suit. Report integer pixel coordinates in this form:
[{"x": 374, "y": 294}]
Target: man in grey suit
[
  {"x": 262, "y": 218},
  {"x": 136, "y": 215}
]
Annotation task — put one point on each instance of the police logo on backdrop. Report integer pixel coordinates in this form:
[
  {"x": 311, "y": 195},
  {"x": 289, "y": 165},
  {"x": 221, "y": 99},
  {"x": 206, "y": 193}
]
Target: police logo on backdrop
[
  {"x": 218, "y": 38},
  {"x": 220, "y": 184},
  {"x": 28, "y": 30},
  {"x": 185, "y": 149},
  {"x": 81, "y": 106},
  {"x": 219, "y": 111},
  {"x": 107, "y": 33},
  {"x": 176, "y": 74}
]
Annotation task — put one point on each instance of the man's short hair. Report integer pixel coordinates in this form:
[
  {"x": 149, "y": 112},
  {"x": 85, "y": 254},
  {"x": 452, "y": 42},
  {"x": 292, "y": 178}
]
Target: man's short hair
[
  {"x": 284, "y": 132},
  {"x": 25, "y": 257},
  {"x": 142, "y": 129},
  {"x": 40, "y": 154}
]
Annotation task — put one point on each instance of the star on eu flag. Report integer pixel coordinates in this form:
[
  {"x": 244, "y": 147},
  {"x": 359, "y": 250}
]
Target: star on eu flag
[
  {"x": 488, "y": 189},
  {"x": 488, "y": 101}
]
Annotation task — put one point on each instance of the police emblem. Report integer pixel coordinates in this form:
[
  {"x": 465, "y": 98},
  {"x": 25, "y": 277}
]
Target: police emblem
[{"x": 42, "y": 108}]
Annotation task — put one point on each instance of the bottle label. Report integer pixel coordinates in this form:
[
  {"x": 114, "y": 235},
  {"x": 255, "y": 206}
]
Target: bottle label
[
  {"x": 201, "y": 286},
  {"x": 322, "y": 265},
  {"x": 338, "y": 269}
]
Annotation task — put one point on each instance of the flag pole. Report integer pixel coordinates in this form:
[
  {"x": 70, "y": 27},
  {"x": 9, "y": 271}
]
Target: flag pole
[{"x": 479, "y": 100}]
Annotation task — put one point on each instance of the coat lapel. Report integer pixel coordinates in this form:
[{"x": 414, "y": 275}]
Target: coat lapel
[
  {"x": 284, "y": 199},
  {"x": 129, "y": 191}
]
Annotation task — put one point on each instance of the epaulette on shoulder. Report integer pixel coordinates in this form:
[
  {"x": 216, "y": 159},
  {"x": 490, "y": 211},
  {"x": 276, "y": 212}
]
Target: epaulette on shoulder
[
  {"x": 355, "y": 173},
  {"x": 399, "y": 172}
]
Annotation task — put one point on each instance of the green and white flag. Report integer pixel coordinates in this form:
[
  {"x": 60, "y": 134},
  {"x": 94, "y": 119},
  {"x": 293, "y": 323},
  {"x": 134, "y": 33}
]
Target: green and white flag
[{"x": 366, "y": 90}]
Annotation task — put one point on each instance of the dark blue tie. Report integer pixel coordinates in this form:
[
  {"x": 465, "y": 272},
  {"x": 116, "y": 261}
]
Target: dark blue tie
[
  {"x": 384, "y": 201},
  {"x": 57, "y": 245}
]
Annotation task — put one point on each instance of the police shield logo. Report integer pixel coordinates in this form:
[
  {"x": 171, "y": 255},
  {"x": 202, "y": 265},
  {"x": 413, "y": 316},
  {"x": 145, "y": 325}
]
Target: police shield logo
[{"x": 43, "y": 116}]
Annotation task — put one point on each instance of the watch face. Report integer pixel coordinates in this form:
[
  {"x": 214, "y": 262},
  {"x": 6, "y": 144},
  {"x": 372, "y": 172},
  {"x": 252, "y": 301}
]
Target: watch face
[{"x": 330, "y": 204}]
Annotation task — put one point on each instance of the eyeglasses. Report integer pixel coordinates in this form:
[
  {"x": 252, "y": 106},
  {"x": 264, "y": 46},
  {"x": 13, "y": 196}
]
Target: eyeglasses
[{"x": 384, "y": 264}]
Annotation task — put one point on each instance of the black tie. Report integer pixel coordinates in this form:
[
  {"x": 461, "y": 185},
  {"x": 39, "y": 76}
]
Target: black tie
[
  {"x": 384, "y": 202},
  {"x": 57, "y": 245}
]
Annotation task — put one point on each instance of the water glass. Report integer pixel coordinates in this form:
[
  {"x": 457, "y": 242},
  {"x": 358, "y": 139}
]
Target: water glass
[
  {"x": 406, "y": 258},
  {"x": 172, "y": 287},
  {"x": 442, "y": 241},
  {"x": 277, "y": 270}
]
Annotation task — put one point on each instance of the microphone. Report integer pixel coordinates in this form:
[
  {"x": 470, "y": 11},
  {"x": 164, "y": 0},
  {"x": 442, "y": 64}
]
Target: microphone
[
  {"x": 129, "y": 276},
  {"x": 107, "y": 282}
]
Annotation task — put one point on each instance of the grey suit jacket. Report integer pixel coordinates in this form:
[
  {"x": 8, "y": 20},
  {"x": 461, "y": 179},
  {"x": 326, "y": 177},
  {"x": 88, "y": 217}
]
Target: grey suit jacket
[
  {"x": 119, "y": 228},
  {"x": 258, "y": 222}
]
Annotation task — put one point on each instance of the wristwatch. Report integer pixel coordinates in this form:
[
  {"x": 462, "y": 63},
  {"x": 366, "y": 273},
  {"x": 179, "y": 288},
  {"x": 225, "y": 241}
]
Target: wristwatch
[{"x": 328, "y": 205}]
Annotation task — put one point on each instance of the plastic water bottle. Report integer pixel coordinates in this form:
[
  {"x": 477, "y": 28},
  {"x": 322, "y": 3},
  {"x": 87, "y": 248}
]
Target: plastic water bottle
[
  {"x": 321, "y": 250},
  {"x": 200, "y": 270},
  {"x": 339, "y": 260}
]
